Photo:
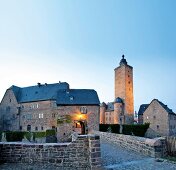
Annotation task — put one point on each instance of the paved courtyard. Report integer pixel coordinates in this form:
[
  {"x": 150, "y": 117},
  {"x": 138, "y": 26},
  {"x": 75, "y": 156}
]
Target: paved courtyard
[{"x": 117, "y": 158}]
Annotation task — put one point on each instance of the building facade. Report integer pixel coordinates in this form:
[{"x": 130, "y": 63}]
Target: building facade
[
  {"x": 121, "y": 111},
  {"x": 50, "y": 106},
  {"x": 162, "y": 119}
]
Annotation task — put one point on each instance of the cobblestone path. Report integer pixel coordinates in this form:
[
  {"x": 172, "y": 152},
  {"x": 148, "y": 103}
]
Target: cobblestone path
[{"x": 117, "y": 158}]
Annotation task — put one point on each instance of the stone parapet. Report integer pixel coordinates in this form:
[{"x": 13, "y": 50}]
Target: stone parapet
[
  {"x": 151, "y": 147},
  {"x": 83, "y": 153}
]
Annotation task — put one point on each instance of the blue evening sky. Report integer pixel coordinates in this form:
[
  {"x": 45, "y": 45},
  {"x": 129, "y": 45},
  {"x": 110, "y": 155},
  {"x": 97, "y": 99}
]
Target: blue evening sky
[{"x": 82, "y": 41}]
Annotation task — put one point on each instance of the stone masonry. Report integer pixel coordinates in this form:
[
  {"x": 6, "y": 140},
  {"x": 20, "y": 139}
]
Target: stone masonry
[
  {"x": 151, "y": 147},
  {"x": 84, "y": 153}
]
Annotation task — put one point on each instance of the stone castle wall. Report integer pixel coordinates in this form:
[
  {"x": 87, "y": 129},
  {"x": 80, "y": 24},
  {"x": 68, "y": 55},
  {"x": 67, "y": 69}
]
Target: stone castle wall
[
  {"x": 151, "y": 147},
  {"x": 82, "y": 153}
]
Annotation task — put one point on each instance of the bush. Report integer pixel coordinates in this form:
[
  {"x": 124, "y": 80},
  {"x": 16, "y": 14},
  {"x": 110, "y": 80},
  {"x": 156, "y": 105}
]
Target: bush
[
  {"x": 50, "y": 132},
  {"x": 115, "y": 128},
  {"x": 14, "y": 136},
  {"x": 104, "y": 127},
  {"x": 39, "y": 134},
  {"x": 137, "y": 130}
]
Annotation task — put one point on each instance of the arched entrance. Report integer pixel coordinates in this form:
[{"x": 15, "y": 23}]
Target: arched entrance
[{"x": 80, "y": 127}]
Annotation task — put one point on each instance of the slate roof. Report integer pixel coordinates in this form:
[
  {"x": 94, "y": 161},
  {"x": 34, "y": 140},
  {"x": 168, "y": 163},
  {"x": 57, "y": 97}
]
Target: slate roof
[
  {"x": 58, "y": 91},
  {"x": 142, "y": 109},
  {"x": 110, "y": 106},
  {"x": 168, "y": 110},
  {"x": 118, "y": 100}
]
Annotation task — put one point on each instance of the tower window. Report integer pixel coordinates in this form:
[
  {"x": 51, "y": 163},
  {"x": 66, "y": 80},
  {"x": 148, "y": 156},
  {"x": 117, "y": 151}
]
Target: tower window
[{"x": 129, "y": 82}]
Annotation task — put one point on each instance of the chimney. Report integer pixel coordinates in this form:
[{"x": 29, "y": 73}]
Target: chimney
[{"x": 39, "y": 84}]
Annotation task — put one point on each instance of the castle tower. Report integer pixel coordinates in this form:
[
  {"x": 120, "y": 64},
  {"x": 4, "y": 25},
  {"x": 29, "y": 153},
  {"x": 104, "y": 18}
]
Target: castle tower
[
  {"x": 118, "y": 111},
  {"x": 102, "y": 113},
  {"x": 124, "y": 87}
]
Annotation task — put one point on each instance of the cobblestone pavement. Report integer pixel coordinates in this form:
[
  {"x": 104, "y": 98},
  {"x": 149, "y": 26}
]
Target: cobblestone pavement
[{"x": 117, "y": 158}]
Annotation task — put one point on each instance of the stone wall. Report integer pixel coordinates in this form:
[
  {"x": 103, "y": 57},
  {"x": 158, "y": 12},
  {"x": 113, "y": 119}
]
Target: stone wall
[
  {"x": 83, "y": 153},
  {"x": 151, "y": 147}
]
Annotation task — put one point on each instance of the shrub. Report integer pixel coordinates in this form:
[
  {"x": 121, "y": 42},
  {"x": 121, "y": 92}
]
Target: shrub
[
  {"x": 14, "y": 136},
  {"x": 137, "y": 130},
  {"x": 50, "y": 132},
  {"x": 115, "y": 128},
  {"x": 39, "y": 134},
  {"x": 103, "y": 127}
]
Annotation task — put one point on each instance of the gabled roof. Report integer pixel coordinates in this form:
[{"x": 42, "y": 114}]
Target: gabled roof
[
  {"x": 142, "y": 109},
  {"x": 58, "y": 91},
  {"x": 168, "y": 110}
]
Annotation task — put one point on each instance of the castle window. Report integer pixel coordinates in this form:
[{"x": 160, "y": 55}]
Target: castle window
[
  {"x": 40, "y": 115},
  {"x": 28, "y": 127},
  {"x": 20, "y": 127},
  {"x": 10, "y": 100},
  {"x": 36, "y": 128},
  {"x": 128, "y": 75},
  {"x": 53, "y": 115},
  {"x": 154, "y": 117},
  {"x": 129, "y": 82},
  {"x": 83, "y": 109},
  {"x": 41, "y": 127},
  {"x": 157, "y": 126}
]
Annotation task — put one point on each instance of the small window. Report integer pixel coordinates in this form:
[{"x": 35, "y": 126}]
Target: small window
[
  {"x": 129, "y": 82},
  {"x": 28, "y": 127},
  {"x": 147, "y": 117},
  {"x": 41, "y": 127},
  {"x": 21, "y": 128},
  {"x": 53, "y": 115},
  {"x": 40, "y": 115},
  {"x": 36, "y": 128},
  {"x": 157, "y": 126},
  {"x": 10, "y": 100},
  {"x": 154, "y": 117}
]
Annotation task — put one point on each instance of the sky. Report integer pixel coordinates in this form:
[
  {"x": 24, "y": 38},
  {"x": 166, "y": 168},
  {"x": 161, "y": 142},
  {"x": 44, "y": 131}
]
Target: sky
[{"x": 81, "y": 42}]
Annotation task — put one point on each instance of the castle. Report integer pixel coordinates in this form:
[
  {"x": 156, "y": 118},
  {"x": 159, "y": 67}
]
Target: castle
[
  {"x": 50, "y": 106},
  {"x": 121, "y": 111}
]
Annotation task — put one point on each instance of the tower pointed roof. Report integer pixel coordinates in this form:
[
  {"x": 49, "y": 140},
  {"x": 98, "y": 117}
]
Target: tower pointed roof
[{"x": 123, "y": 61}]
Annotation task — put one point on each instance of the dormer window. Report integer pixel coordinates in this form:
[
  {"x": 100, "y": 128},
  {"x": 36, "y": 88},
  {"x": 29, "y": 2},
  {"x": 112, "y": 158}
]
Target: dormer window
[{"x": 71, "y": 98}]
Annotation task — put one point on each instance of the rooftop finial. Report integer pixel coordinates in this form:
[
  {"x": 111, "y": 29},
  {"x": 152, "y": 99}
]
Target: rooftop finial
[{"x": 123, "y": 60}]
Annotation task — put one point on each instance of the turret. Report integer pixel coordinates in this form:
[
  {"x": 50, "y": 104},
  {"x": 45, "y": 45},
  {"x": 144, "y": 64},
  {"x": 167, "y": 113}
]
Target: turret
[
  {"x": 118, "y": 111},
  {"x": 102, "y": 112}
]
